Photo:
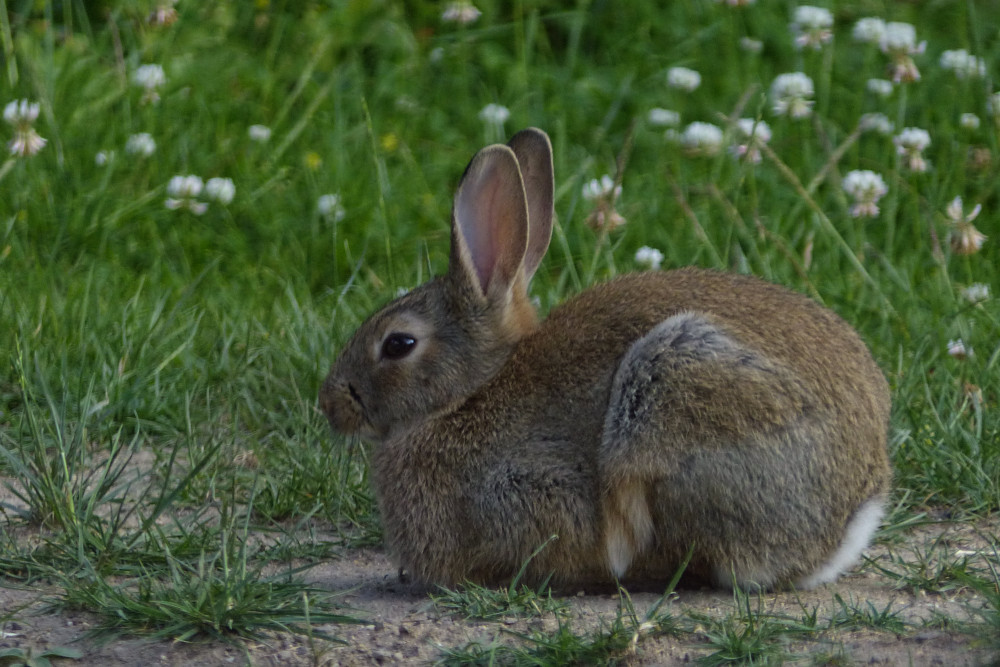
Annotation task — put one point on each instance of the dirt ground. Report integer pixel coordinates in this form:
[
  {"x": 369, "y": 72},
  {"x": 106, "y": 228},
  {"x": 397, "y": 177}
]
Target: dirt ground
[{"x": 403, "y": 626}]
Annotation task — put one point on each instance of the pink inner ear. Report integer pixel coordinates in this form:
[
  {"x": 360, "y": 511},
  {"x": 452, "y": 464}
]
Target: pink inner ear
[
  {"x": 484, "y": 220},
  {"x": 480, "y": 230}
]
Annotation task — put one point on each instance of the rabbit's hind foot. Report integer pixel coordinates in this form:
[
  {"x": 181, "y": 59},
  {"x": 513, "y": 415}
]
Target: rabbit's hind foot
[{"x": 628, "y": 526}]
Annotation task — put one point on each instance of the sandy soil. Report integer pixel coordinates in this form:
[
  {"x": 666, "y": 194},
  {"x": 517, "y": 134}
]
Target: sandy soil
[{"x": 403, "y": 626}]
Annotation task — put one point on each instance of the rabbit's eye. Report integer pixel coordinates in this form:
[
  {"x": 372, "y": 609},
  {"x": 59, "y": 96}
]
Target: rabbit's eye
[{"x": 398, "y": 345}]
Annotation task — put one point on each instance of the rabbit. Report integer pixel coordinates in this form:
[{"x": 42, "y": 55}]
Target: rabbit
[{"x": 650, "y": 415}]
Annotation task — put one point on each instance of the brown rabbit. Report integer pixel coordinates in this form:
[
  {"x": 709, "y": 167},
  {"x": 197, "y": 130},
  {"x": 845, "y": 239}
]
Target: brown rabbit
[{"x": 648, "y": 414}]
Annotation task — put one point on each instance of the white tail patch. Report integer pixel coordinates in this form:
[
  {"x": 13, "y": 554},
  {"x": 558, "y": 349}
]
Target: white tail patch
[
  {"x": 628, "y": 527},
  {"x": 857, "y": 536}
]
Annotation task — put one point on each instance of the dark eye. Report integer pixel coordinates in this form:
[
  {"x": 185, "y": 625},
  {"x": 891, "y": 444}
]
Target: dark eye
[{"x": 398, "y": 345}]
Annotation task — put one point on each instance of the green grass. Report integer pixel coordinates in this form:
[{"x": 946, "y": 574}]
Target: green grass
[{"x": 156, "y": 365}]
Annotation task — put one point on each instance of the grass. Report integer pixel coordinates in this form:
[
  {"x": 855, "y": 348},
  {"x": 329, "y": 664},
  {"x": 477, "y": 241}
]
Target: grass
[{"x": 157, "y": 366}]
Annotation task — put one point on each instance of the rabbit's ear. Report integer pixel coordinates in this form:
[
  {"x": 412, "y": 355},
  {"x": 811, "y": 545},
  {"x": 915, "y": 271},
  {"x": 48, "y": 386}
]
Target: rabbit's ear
[
  {"x": 534, "y": 155},
  {"x": 489, "y": 226}
]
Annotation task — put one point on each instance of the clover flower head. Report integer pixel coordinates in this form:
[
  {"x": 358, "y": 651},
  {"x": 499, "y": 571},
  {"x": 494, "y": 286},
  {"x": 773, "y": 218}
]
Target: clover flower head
[
  {"x": 683, "y": 78},
  {"x": 790, "y": 95},
  {"x": 866, "y": 188},
  {"x": 663, "y": 117},
  {"x": 880, "y": 87},
  {"x": 221, "y": 190},
  {"x": 754, "y": 134},
  {"x": 869, "y": 30},
  {"x": 22, "y": 114},
  {"x": 910, "y": 144},
  {"x": 330, "y": 207},
  {"x": 603, "y": 187},
  {"x": 899, "y": 37},
  {"x": 149, "y": 78},
  {"x": 968, "y": 121},
  {"x": 462, "y": 13},
  {"x": 259, "y": 133},
  {"x": 899, "y": 42},
  {"x": 811, "y": 26},
  {"x": 964, "y": 237},
  {"x": 963, "y": 64},
  {"x": 876, "y": 122},
  {"x": 958, "y": 349},
  {"x": 141, "y": 144},
  {"x": 647, "y": 257},
  {"x": 993, "y": 105},
  {"x": 164, "y": 13},
  {"x": 751, "y": 45},
  {"x": 104, "y": 158},
  {"x": 603, "y": 193},
  {"x": 183, "y": 191},
  {"x": 976, "y": 292},
  {"x": 494, "y": 114},
  {"x": 702, "y": 139}
]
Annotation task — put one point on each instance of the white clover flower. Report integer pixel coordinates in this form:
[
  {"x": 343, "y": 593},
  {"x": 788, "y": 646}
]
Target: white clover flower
[
  {"x": 754, "y": 133},
  {"x": 650, "y": 258},
  {"x": 183, "y": 191},
  {"x": 601, "y": 188},
  {"x": 259, "y": 133},
  {"x": 104, "y": 158},
  {"x": 329, "y": 207},
  {"x": 461, "y": 12},
  {"x": 958, "y": 349},
  {"x": 963, "y": 64},
  {"x": 790, "y": 95},
  {"x": 866, "y": 188},
  {"x": 869, "y": 30},
  {"x": 141, "y": 144},
  {"x": 811, "y": 26},
  {"x": 898, "y": 36},
  {"x": 683, "y": 78},
  {"x": 910, "y": 144},
  {"x": 976, "y": 292},
  {"x": 702, "y": 139},
  {"x": 221, "y": 190},
  {"x": 149, "y": 78},
  {"x": 22, "y": 114},
  {"x": 164, "y": 14},
  {"x": 751, "y": 45},
  {"x": 899, "y": 42},
  {"x": 969, "y": 121},
  {"x": 876, "y": 122},
  {"x": 603, "y": 193},
  {"x": 993, "y": 105},
  {"x": 880, "y": 87},
  {"x": 663, "y": 117},
  {"x": 964, "y": 237},
  {"x": 494, "y": 114},
  {"x": 956, "y": 213}
]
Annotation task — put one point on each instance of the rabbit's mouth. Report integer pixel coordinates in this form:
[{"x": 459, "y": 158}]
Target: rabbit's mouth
[{"x": 343, "y": 407}]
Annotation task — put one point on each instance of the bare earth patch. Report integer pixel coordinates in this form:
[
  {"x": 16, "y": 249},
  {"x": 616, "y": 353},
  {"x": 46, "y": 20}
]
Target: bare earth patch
[{"x": 403, "y": 626}]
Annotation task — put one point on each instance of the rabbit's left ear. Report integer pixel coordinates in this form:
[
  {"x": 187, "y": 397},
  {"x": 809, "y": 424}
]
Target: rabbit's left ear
[
  {"x": 489, "y": 225},
  {"x": 534, "y": 155}
]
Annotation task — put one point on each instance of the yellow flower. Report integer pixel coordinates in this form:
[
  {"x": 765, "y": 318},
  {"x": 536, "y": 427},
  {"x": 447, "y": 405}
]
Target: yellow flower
[
  {"x": 313, "y": 160},
  {"x": 390, "y": 142}
]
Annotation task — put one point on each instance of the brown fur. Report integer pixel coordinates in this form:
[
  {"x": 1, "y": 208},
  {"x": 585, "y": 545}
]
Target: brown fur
[{"x": 665, "y": 408}]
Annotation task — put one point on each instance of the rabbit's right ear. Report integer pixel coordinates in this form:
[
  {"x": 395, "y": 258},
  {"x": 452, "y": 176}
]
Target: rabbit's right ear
[
  {"x": 534, "y": 154},
  {"x": 489, "y": 226}
]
